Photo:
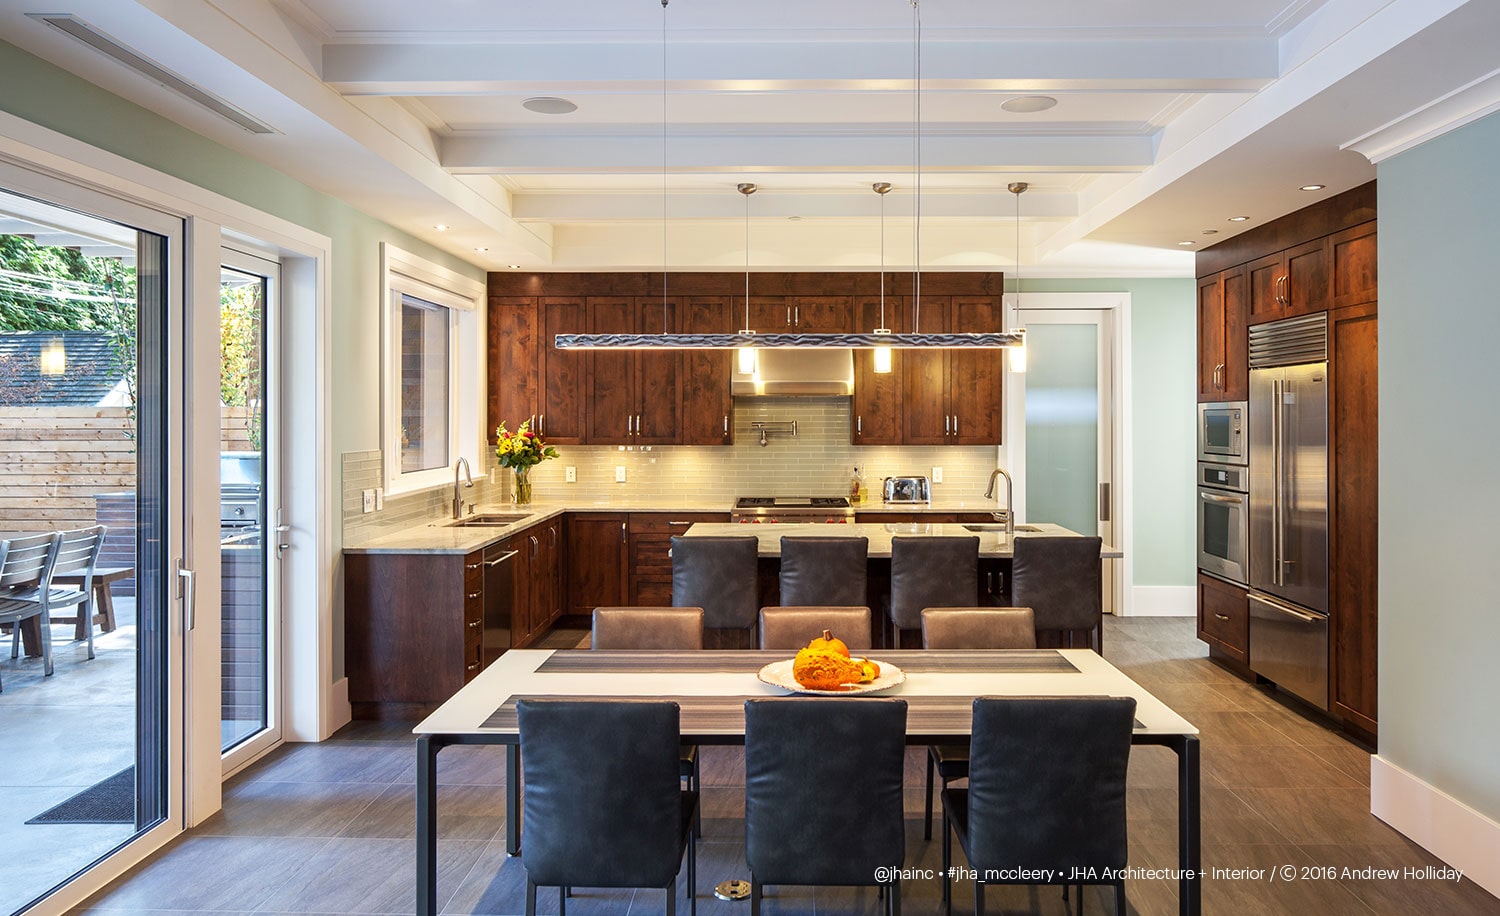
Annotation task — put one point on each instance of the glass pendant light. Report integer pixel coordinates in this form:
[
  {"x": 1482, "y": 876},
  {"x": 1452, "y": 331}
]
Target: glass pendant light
[
  {"x": 1017, "y": 352},
  {"x": 882, "y": 355},
  {"x": 747, "y": 361}
]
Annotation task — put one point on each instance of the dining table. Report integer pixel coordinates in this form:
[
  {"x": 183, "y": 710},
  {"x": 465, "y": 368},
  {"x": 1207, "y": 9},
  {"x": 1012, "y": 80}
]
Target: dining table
[{"x": 711, "y": 687}]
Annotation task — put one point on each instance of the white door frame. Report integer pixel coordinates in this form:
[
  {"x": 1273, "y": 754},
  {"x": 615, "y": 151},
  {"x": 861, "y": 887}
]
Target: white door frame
[{"x": 1036, "y": 307}]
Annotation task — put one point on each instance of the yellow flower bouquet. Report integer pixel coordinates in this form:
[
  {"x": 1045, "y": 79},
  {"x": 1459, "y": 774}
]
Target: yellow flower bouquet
[{"x": 521, "y": 451}]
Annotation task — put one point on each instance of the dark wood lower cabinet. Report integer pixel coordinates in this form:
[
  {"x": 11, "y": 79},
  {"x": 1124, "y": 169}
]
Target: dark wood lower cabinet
[
  {"x": 597, "y": 556},
  {"x": 1224, "y": 618},
  {"x": 651, "y": 536}
]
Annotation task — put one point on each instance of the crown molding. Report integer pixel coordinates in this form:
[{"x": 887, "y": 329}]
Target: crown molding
[{"x": 1462, "y": 106}]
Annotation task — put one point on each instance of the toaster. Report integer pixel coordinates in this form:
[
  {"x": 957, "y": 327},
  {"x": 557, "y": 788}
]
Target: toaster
[{"x": 907, "y": 490}]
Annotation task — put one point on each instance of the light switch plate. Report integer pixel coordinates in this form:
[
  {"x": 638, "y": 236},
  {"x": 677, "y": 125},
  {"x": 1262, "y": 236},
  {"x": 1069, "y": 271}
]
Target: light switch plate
[
  {"x": 368, "y": 499},
  {"x": 937, "y": 474},
  {"x": 570, "y": 474},
  {"x": 619, "y": 473}
]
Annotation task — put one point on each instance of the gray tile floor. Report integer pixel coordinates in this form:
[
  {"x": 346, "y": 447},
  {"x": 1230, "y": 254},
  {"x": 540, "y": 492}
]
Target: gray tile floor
[{"x": 327, "y": 828}]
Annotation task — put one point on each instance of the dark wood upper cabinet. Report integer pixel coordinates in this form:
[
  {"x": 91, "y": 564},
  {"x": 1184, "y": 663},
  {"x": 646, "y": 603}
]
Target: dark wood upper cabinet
[
  {"x": 633, "y": 394},
  {"x": 822, "y": 314},
  {"x": 953, "y": 397},
  {"x": 1210, "y": 337},
  {"x": 656, "y": 383},
  {"x": 1265, "y": 277},
  {"x": 707, "y": 407},
  {"x": 1223, "y": 360},
  {"x": 1353, "y": 252},
  {"x": 875, "y": 415},
  {"x": 1308, "y": 286},
  {"x": 561, "y": 372},
  {"x": 513, "y": 344},
  {"x": 1235, "y": 377}
]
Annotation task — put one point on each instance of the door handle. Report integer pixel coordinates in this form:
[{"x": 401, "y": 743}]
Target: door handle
[
  {"x": 1103, "y": 502},
  {"x": 622, "y": 532},
  {"x": 947, "y": 421},
  {"x": 187, "y": 590},
  {"x": 637, "y": 424},
  {"x": 788, "y": 316},
  {"x": 541, "y": 424},
  {"x": 535, "y": 546},
  {"x": 279, "y": 530},
  {"x": 1221, "y": 616},
  {"x": 553, "y": 531},
  {"x": 1286, "y": 289},
  {"x": 1231, "y": 500}
]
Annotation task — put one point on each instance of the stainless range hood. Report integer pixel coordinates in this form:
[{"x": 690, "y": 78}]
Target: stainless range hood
[{"x": 790, "y": 372}]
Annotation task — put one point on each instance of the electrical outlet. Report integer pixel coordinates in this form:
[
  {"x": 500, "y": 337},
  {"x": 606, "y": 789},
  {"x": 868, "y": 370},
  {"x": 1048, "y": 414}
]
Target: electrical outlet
[
  {"x": 937, "y": 474},
  {"x": 494, "y": 475},
  {"x": 570, "y": 474},
  {"x": 380, "y": 497},
  {"x": 619, "y": 473},
  {"x": 368, "y": 497}
]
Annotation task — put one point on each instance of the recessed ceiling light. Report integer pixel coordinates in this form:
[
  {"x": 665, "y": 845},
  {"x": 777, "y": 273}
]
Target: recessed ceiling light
[
  {"x": 1186, "y": 244},
  {"x": 440, "y": 227},
  {"x": 480, "y": 248},
  {"x": 1027, "y": 104},
  {"x": 1210, "y": 232},
  {"x": 549, "y": 104},
  {"x": 515, "y": 267},
  {"x": 1238, "y": 219},
  {"x": 1312, "y": 187}
]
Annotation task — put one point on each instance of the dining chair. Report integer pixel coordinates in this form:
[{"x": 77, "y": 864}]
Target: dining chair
[
  {"x": 718, "y": 574},
  {"x": 1046, "y": 793},
  {"x": 823, "y": 793},
  {"x": 660, "y": 628},
  {"x": 968, "y": 628},
  {"x": 824, "y": 571},
  {"x": 1059, "y": 579},
  {"x": 931, "y": 572},
  {"x": 603, "y": 806},
  {"x": 791, "y": 628},
  {"x": 25, "y": 579}
]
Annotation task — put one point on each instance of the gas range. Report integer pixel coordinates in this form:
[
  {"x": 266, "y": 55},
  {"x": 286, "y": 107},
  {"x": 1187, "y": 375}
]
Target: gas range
[{"x": 762, "y": 510}]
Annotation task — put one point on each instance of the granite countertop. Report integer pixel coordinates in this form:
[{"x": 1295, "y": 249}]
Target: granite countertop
[
  {"x": 440, "y": 536},
  {"x": 992, "y": 544}
]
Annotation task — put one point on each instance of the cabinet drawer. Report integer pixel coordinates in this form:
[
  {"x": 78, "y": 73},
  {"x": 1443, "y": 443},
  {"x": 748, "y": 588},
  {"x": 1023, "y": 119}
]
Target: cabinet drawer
[
  {"x": 671, "y": 523},
  {"x": 1223, "y": 616}
]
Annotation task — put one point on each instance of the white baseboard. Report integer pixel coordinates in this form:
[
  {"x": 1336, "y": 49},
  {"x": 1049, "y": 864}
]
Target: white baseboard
[
  {"x": 340, "y": 713},
  {"x": 1164, "y": 601},
  {"x": 1438, "y": 822}
]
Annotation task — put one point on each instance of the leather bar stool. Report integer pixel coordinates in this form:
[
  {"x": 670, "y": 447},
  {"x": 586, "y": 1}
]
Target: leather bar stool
[
  {"x": 718, "y": 574},
  {"x": 931, "y": 572},
  {"x": 1057, "y": 766},
  {"x": 646, "y": 628},
  {"x": 1059, "y": 579},
  {"x": 968, "y": 628},
  {"x": 824, "y": 571},
  {"x": 621, "y": 820},
  {"x": 792, "y": 627},
  {"x": 815, "y": 818}
]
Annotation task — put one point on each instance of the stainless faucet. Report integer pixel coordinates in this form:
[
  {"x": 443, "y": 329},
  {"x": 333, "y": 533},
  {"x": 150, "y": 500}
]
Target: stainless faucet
[
  {"x": 1008, "y": 514},
  {"x": 458, "y": 501}
]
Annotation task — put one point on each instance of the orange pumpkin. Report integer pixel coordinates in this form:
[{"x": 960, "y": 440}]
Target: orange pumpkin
[
  {"x": 823, "y": 669},
  {"x": 829, "y": 642}
]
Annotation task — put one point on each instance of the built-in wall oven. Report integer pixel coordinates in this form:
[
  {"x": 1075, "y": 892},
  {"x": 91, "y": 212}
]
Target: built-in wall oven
[
  {"x": 1224, "y": 521},
  {"x": 1221, "y": 432}
]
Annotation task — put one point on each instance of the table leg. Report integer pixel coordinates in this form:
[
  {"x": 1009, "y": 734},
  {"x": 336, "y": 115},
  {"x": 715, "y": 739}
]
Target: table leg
[
  {"x": 513, "y": 799},
  {"x": 427, "y": 751},
  {"x": 31, "y": 636},
  {"x": 105, "y": 603},
  {"x": 1189, "y": 828}
]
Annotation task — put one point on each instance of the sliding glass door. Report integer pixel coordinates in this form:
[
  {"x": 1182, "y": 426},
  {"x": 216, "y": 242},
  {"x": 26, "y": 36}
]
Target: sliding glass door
[{"x": 92, "y": 392}]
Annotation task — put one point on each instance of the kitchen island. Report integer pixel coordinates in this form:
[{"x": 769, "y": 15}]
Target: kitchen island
[{"x": 993, "y": 545}]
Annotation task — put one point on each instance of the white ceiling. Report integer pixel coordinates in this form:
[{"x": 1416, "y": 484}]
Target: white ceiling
[{"x": 1172, "y": 115}]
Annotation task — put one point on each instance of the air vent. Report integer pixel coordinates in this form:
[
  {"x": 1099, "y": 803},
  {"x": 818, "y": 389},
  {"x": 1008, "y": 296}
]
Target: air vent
[
  {"x": 74, "y": 27},
  {"x": 1289, "y": 341}
]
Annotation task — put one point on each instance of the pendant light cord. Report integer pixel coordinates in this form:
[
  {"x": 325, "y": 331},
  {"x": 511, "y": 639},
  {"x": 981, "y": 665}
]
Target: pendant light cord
[
  {"x": 882, "y": 257},
  {"x": 664, "y": 166},
  {"x": 916, "y": 104}
]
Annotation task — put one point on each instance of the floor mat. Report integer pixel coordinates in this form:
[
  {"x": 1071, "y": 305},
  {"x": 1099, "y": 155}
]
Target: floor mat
[{"x": 109, "y": 802}]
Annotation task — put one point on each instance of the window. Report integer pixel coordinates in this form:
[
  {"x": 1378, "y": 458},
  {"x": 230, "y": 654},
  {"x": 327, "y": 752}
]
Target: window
[{"x": 433, "y": 366}]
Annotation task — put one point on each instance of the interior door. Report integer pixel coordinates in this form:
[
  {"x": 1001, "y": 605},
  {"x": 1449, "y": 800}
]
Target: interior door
[{"x": 1069, "y": 424}]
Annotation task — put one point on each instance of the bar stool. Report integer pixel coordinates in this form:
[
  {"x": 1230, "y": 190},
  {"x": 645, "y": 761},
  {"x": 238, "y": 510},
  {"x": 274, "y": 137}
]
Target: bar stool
[
  {"x": 931, "y": 572},
  {"x": 824, "y": 571},
  {"x": 1059, "y": 579},
  {"x": 793, "y": 627},
  {"x": 718, "y": 574},
  {"x": 968, "y": 628}
]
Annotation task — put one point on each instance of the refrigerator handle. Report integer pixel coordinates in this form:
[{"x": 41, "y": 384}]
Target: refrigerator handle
[{"x": 1277, "y": 459}]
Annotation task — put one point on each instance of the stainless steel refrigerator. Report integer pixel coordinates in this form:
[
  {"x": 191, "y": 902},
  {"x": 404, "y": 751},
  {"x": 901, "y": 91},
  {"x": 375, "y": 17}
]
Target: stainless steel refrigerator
[{"x": 1289, "y": 505}]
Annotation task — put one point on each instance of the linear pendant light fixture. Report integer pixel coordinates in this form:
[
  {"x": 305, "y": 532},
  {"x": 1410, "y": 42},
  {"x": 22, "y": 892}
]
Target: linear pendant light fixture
[{"x": 746, "y": 340}]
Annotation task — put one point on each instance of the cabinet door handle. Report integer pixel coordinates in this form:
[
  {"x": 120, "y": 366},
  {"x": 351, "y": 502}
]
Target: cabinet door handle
[
  {"x": 859, "y": 425},
  {"x": 1286, "y": 289},
  {"x": 955, "y": 424},
  {"x": 553, "y": 531},
  {"x": 1221, "y": 616},
  {"x": 473, "y": 667},
  {"x": 797, "y": 316},
  {"x": 680, "y": 524},
  {"x": 535, "y": 545},
  {"x": 947, "y": 424},
  {"x": 788, "y": 316},
  {"x": 541, "y": 424},
  {"x": 726, "y": 424},
  {"x": 474, "y": 624},
  {"x": 637, "y": 424},
  {"x": 476, "y": 594},
  {"x": 622, "y": 532}
]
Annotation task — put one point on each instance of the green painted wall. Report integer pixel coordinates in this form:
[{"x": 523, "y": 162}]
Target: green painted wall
[
  {"x": 1164, "y": 347},
  {"x": 1439, "y": 325},
  {"x": 59, "y": 100}
]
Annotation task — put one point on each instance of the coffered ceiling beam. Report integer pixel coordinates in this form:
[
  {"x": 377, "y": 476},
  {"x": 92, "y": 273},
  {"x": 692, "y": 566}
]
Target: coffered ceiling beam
[
  {"x": 765, "y": 152},
  {"x": 1147, "y": 64}
]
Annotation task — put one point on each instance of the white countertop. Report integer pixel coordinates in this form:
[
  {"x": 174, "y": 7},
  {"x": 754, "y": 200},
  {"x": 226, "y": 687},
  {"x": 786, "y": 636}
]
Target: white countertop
[{"x": 992, "y": 544}]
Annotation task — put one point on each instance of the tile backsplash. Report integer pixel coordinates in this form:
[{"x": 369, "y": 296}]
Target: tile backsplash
[{"x": 818, "y": 461}]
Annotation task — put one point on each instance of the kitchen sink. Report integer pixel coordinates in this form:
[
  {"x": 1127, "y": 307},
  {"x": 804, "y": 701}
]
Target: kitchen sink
[
  {"x": 1000, "y": 526},
  {"x": 488, "y": 521}
]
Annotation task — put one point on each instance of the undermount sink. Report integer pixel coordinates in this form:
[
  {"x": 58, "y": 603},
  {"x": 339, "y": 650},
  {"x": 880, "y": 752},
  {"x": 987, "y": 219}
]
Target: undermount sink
[
  {"x": 488, "y": 521},
  {"x": 1000, "y": 526}
]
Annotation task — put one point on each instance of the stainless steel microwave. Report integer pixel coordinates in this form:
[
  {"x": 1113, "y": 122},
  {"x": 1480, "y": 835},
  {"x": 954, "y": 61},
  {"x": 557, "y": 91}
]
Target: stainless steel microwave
[{"x": 1221, "y": 432}]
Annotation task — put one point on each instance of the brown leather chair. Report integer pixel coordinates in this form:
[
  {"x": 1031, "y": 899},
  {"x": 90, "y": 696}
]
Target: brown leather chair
[
  {"x": 718, "y": 574},
  {"x": 824, "y": 571},
  {"x": 648, "y": 628},
  {"x": 792, "y": 627},
  {"x": 931, "y": 572},
  {"x": 1059, "y": 579},
  {"x": 968, "y": 628}
]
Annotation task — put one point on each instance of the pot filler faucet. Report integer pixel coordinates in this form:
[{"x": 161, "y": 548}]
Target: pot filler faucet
[
  {"x": 1008, "y": 514},
  {"x": 458, "y": 501}
]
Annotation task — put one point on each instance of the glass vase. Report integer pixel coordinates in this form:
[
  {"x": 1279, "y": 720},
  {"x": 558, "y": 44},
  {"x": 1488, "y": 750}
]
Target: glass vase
[{"x": 523, "y": 486}]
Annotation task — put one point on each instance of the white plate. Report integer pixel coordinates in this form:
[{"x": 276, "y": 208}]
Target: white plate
[{"x": 779, "y": 674}]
